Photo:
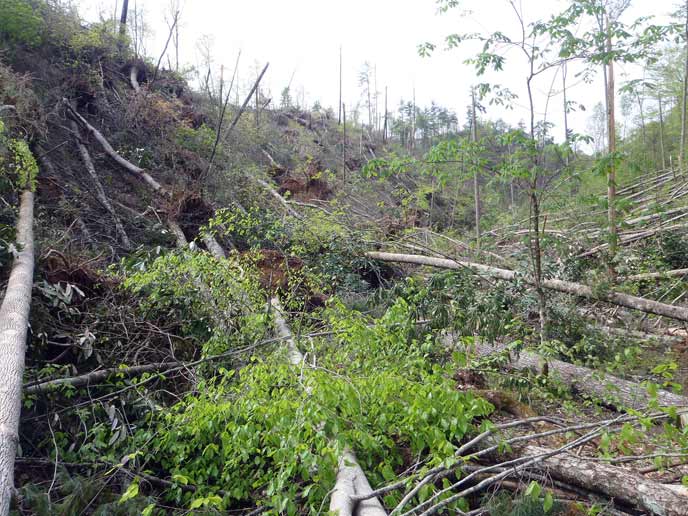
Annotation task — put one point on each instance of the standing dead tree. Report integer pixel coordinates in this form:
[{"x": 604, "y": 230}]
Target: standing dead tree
[{"x": 14, "y": 322}]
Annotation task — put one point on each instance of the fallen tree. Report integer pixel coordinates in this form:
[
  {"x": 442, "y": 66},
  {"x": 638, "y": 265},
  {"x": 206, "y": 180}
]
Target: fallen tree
[
  {"x": 611, "y": 390},
  {"x": 351, "y": 481},
  {"x": 97, "y": 377},
  {"x": 211, "y": 243},
  {"x": 100, "y": 191},
  {"x": 14, "y": 323},
  {"x": 617, "y": 298}
]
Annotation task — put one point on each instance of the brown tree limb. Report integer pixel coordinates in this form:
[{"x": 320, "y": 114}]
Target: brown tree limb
[{"x": 98, "y": 376}]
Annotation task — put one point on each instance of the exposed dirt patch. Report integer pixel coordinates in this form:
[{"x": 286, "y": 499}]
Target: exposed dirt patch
[{"x": 305, "y": 186}]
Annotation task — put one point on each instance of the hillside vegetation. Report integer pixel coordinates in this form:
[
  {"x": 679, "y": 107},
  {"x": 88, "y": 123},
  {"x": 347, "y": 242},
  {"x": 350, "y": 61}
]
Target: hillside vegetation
[{"x": 214, "y": 306}]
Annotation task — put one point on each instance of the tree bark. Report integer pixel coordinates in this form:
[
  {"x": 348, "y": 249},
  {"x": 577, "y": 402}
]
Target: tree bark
[
  {"x": 615, "y": 482},
  {"x": 14, "y": 322},
  {"x": 611, "y": 390},
  {"x": 684, "y": 101},
  {"x": 611, "y": 175},
  {"x": 476, "y": 184},
  {"x": 248, "y": 99},
  {"x": 616, "y": 298},
  {"x": 279, "y": 198},
  {"x": 123, "y": 18},
  {"x": 100, "y": 191},
  {"x": 351, "y": 480},
  {"x": 98, "y": 376}
]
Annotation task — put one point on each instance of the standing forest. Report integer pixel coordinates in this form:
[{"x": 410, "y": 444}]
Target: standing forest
[{"x": 223, "y": 298}]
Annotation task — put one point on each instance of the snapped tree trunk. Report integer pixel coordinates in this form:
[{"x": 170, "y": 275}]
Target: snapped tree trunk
[
  {"x": 14, "y": 322},
  {"x": 616, "y": 298}
]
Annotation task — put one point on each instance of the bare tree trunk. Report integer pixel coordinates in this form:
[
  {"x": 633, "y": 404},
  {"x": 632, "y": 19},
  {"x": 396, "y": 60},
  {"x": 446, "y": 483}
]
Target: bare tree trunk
[
  {"x": 611, "y": 390},
  {"x": 384, "y": 128},
  {"x": 616, "y": 298},
  {"x": 476, "y": 183},
  {"x": 123, "y": 19},
  {"x": 279, "y": 198},
  {"x": 340, "y": 86},
  {"x": 661, "y": 131},
  {"x": 98, "y": 376},
  {"x": 611, "y": 175},
  {"x": 14, "y": 323},
  {"x": 351, "y": 480},
  {"x": 248, "y": 99},
  {"x": 100, "y": 192},
  {"x": 684, "y": 100}
]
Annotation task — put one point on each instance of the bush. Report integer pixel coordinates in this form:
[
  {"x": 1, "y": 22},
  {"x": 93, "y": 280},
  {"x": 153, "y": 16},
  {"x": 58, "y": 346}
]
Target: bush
[{"x": 20, "y": 23}]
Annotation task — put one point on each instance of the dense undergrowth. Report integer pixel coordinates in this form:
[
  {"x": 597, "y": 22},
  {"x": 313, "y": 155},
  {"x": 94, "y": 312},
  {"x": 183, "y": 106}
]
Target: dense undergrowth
[{"x": 232, "y": 426}]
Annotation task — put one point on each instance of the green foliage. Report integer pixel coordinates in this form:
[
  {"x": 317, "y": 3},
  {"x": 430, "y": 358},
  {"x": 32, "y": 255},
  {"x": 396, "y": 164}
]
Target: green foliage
[
  {"x": 75, "y": 495},
  {"x": 455, "y": 300},
  {"x": 530, "y": 504},
  {"x": 20, "y": 165},
  {"x": 220, "y": 303},
  {"x": 98, "y": 39},
  {"x": 20, "y": 22},
  {"x": 200, "y": 141},
  {"x": 275, "y": 433}
]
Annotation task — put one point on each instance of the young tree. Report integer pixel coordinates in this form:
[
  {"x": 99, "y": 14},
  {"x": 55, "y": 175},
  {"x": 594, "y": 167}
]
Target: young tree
[
  {"x": 603, "y": 41},
  {"x": 532, "y": 43}
]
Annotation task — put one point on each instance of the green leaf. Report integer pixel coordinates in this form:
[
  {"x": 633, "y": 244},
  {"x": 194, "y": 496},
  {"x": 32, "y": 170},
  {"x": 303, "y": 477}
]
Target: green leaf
[
  {"x": 533, "y": 490},
  {"x": 548, "y": 503},
  {"x": 148, "y": 511},
  {"x": 181, "y": 479},
  {"x": 131, "y": 492}
]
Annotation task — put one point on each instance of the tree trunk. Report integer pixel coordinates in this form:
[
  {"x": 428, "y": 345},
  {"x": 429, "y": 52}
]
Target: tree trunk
[
  {"x": 279, "y": 198},
  {"x": 98, "y": 376},
  {"x": 351, "y": 480},
  {"x": 100, "y": 192},
  {"x": 616, "y": 298},
  {"x": 14, "y": 323},
  {"x": 661, "y": 131},
  {"x": 611, "y": 390},
  {"x": 611, "y": 175},
  {"x": 617, "y": 483},
  {"x": 684, "y": 100},
  {"x": 476, "y": 184},
  {"x": 123, "y": 18}
]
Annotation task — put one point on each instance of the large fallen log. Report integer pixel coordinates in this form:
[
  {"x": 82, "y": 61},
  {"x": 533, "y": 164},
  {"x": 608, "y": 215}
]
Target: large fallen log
[
  {"x": 613, "y": 481},
  {"x": 611, "y": 390},
  {"x": 351, "y": 480},
  {"x": 617, "y": 298},
  {"x": 14, "y": 323}
]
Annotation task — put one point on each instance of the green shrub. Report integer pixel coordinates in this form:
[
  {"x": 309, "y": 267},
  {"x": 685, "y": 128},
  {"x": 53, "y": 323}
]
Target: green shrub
[{"x": 20, "y": 23}]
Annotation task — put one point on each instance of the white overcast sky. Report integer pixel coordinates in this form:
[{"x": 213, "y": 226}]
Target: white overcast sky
[{"x": 302, "y": 38}]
